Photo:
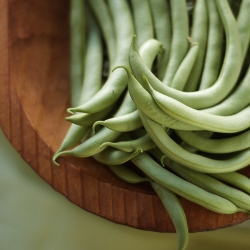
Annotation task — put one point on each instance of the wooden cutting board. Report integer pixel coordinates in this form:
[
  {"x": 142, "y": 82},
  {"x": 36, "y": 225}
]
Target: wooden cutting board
[{"x": 34, "y": 95}]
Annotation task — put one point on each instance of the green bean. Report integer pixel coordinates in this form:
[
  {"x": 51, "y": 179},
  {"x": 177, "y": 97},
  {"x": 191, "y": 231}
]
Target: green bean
[
  {"x": 77, "y": 45},
  {"x": 193, "y": 161},
  {"x": 199, "y": 34},
  {"x": 236, "y": 101},
  {"x": 243, "y": 20},
  {"x": 142, "y": 20},
  {"x": 183, "y": 188},
  {"x": 182, "y": 74},
  {"x": 101, "y": 12},
  {"x": 212, "y": 185},
  {"x": 179, "y": 43},
  {"x": 203, "y": 133},
  {"x": 168, "y": 198},
  {"x": 73, "y": 136},
  {"x": 149, "y": 50},
  {"x": 143, "y": 143},
  {"x": 126, "y": 174},
  {"x": 147, "y": 104},
  {"x": 91, "y": 82},
  {"x": 226, "y": 80},
  {"x": 175, "y": 211},
  {"x": 206, "y": 121},
  {"x": 216, "y": 146},
  {"x": 236, "y": 179},
  {"x": 112, "y": 156},
  {"x": 162, "y": 25},
  {"x": 91, "y": 146},
  {"x": 87, "y": 119},
  {"x": 125, "y": 123},
  {"x": 117, "y": 81},
  {"x": 93, "y": 61},
  {"x": 213, "y": 57}
]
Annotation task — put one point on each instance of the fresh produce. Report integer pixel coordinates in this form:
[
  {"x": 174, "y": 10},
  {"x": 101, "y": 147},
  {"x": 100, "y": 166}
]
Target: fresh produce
[{"x": 177, "y": 108}]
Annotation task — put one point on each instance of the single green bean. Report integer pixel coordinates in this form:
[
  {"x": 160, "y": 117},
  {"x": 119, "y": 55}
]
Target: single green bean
[
  {"x": 243, "y": 20},
  {"x": 199, "y": 33},
  {"x": 111, "y": 156},
  {"x": 179, "y": 43},
  {"x": 101, "y": 11},
  {"x": 176, "y": 213},
  {"x": 87, "y": 119},
  {"x": 77, "y": 47},
  {"x": 125, "y": 123},
  {"x": 162, "y": 26},
  {"x": 142, "y": 21},
  {"x": 143, "y": 143},
  {"x": 236, "y": 101},
  {"x": 212, "y": 64},
  {"x": 93, "y": 61},
  {"x": 126, "y": 174}
]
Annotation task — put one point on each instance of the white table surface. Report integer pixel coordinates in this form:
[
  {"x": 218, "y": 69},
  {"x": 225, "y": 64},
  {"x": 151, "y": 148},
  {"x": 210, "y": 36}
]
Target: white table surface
[{"x": 33, "y": 216}]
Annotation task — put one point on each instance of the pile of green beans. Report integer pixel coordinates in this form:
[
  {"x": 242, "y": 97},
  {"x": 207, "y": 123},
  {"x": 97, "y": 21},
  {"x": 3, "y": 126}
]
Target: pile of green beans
[{"x": 164, "y": 85}]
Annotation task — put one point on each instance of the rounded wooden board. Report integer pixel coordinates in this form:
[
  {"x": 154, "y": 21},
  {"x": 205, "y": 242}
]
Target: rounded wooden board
[{"x": 34, "y": 95}]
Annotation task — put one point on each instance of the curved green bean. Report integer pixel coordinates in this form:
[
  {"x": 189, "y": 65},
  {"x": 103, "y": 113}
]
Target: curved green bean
[
  {"x": 144, "y": 102},
  {"x": 125, "y": 123},
  {"x": 236, "y": 179},
  {"x": 87, "y": 119},
  {"x": 216, "y": 146},
  {"x": 168, "y": 198},
  {"x": 112, "y": 156},
  {"x": 183, "y": 188},
  {"x": 176, "y": 213},
  {"x": 197, "y": 118},
  {"x": 236, "y": 101},
  {"x": 208, "y": 183},
  {"x": 126, "y": 174},
  {"x": 143, "y": 143},
  {"x": 190, "y": 160}
]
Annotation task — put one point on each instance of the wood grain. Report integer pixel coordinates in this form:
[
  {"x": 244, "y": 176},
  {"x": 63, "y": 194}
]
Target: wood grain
[{"x": 34, "y": 95}]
